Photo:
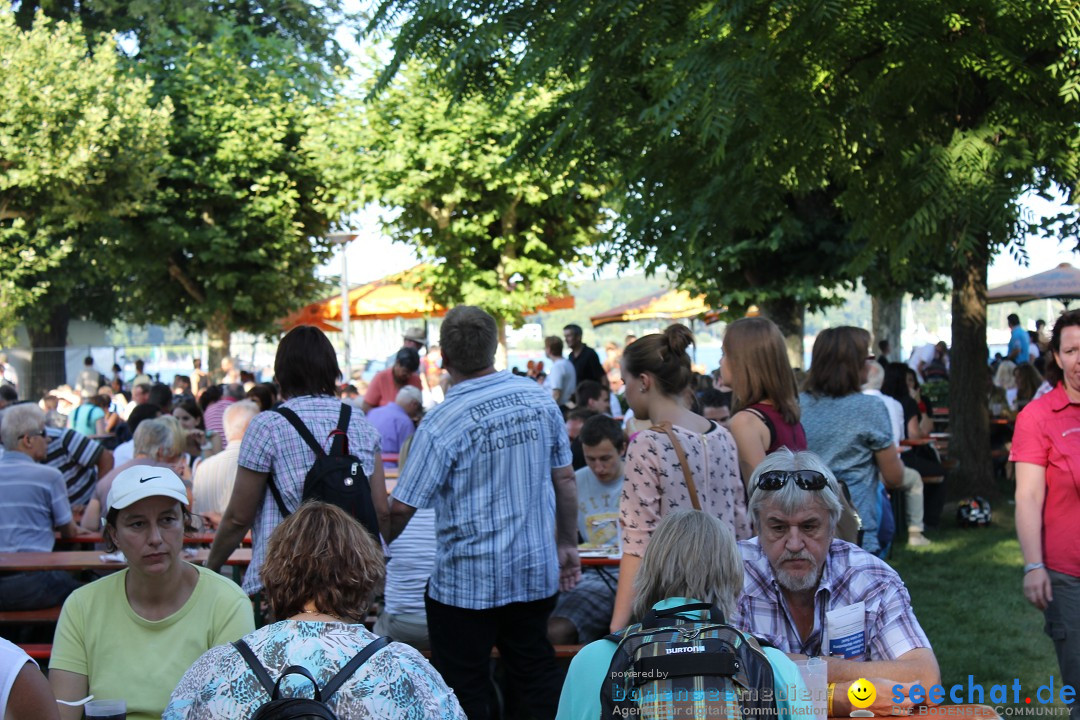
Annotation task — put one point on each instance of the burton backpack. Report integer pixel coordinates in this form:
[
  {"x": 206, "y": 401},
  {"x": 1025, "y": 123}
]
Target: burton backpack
[
  {"x": 336, "y": 477},
  {"x": 299, "y": 708},
  {"x": 667, "y": 667}
]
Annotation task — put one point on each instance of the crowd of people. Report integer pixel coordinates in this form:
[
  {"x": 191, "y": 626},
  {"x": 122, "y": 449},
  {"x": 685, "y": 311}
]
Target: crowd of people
[{"x": 758, "y": 495}]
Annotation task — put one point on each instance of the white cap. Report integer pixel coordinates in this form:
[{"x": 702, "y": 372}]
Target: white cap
[{"x": 143, "y": 481}]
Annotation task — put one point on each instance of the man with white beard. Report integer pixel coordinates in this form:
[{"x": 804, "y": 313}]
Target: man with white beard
[{"x": 809, "y": 594}]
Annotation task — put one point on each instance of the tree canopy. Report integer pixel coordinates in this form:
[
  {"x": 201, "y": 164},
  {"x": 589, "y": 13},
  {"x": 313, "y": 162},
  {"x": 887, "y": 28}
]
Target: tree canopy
[
  {"x": 497, "y": 234},
  {"x": 884, "y": 139},
  {"x": 82, "y": 145},
  {"x": 236, "y": 231}
]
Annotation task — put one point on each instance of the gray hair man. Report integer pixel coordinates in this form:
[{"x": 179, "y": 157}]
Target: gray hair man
[
  {"x": 35, "y": 504},
  {"x": 802, "y": 585},
  {"x": 159, "y": 442},
  {"x": 397, "y": 421},
  {"x": 216, "y": 475},
  {"x": 495, "y": 464}
]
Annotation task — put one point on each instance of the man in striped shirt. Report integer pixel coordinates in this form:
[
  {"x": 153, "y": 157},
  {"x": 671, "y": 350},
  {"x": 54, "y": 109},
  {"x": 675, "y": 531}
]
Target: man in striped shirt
[
  {"x": 809, "y": 594},
  {"x": 493, "y": 460},
  {"x": 80, "y": 459}
]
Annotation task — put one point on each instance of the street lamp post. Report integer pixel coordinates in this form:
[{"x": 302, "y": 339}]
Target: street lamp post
[{"x": 343, "y": 240}]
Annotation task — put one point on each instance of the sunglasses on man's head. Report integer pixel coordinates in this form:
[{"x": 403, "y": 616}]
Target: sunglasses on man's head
[{"x": 806, "y": 479}]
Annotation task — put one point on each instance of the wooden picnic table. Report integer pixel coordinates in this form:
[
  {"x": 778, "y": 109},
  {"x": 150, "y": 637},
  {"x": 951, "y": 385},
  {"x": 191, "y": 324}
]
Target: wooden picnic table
[
  {"x": 198, "y": 538},
  {"x": 600, "y": 562},
  {"x": 91, "y": 560}
]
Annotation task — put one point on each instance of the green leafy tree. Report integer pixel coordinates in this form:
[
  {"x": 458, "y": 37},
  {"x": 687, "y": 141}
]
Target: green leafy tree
[
  {"x": 236, "y": 233},
  {"x": 496, "y": 234},
  {"x": 81, "y": 148},
  {"x": 154, "y": 30},
  {"x": 917, "y": 126},
  {"x": 233, "y": 235}
]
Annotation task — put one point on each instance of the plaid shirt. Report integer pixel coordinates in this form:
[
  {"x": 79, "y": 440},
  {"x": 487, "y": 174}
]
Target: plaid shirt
[
  {"x": 488, "y": 451},
  {"x": 851, "y": 575},
  {"x": 272, "y": 445}
]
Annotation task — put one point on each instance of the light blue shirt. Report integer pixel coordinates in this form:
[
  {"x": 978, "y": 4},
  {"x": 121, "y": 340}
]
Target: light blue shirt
[
  {"x": 1019, "y": 339},
  {"x": 846, "y": 432},
  {"x": 485, "y": 459},
  {"x": 35, "y": 502},
  {"x": 580, "y": 699}
]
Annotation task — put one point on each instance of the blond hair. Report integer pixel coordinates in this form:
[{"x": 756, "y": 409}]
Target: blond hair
[{"x": 691, "y": 554}]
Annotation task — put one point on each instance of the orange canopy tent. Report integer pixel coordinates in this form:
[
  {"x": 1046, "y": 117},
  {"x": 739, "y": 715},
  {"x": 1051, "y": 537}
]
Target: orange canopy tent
[
  {"x": 392, "y": 297},
  {"x": 663, "y": 305}
]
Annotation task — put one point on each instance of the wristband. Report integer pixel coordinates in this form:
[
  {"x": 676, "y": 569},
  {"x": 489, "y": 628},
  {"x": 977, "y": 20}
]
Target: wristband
[
  {"x": 1033, "y": 566},
  {"x": 832, "y": 690}
]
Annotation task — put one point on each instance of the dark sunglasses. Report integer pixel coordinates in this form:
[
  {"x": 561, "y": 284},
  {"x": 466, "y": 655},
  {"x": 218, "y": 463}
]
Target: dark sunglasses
[
  {"x": 806, "y": 479},
  {"x": 37, "y": 434}
]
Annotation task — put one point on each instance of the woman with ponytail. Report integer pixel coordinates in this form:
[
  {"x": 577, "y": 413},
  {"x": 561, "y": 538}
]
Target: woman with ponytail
[{"x": 682, "y": 462}]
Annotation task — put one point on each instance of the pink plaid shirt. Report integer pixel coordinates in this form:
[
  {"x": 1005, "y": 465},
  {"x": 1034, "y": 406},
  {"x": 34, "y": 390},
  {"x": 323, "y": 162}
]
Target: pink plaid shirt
[{"x": 851, "y": 575}]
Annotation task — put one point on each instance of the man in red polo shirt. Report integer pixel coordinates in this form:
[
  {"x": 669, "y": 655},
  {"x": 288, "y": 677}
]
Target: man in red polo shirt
[
  {"x": 1046, "y": 450},
  {"x": 385, "y": 385}
]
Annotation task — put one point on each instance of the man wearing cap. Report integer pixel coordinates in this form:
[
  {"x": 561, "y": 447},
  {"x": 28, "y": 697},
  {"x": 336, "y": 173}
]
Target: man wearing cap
[
  {"x": 386, "y": 384},
  {"x": 133, "y": 634},
  {"x": 414, "y": 338},
  {"x": 810, "y": 594},
  {"x": 35, "y": 504}
]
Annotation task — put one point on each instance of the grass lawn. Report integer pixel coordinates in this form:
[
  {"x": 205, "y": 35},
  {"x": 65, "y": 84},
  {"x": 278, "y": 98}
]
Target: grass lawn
[{"x": 966, "y": 590}]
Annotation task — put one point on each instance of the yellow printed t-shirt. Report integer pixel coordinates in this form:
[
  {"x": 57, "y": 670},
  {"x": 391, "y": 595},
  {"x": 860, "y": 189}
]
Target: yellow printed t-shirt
[{"x": 126, "y": 657}]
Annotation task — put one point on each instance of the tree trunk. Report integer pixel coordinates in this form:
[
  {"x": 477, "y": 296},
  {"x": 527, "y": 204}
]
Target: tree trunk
[
  {"x": 788, "y": 316},
  {"x": 218, "y": 338},
  {"x": 48, "y": 367},
  {"x": 969, "y": 416},
  {"x": 886, "y": 324},
  {"x": 502, "y": 353}
]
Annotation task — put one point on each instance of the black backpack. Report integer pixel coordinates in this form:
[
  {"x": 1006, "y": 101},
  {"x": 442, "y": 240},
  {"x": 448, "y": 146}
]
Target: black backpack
[
  {"x": 336, "y": 478},
  {"x": 667, "y": 666},
  {"x": 293, "y": 708}
]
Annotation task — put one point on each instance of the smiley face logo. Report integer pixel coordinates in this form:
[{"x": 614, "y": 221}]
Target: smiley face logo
[{"x": 862, "y": 693}]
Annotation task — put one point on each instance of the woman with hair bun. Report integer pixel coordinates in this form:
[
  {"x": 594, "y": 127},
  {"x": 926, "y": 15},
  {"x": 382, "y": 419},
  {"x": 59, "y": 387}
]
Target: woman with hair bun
[
  {"x": 682, "y": 462},
  {"x": 766, "y": 400}
]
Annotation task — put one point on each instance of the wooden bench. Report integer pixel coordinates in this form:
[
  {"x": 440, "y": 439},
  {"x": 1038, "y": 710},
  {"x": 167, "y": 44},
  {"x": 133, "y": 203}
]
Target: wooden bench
[{"x": 30, "y": 617}]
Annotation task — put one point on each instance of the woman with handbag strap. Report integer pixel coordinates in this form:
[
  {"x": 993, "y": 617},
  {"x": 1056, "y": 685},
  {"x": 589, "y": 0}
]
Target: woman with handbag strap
[{"x": 682, "y": 462}]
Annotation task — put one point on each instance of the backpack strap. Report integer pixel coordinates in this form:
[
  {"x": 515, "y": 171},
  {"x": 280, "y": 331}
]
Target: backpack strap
[
  {"x": 339, "y": 443},
  {"x": 308, "y": 438},
  {"x": 301, "y": 428},
  {"x": 256, "y": 666},
  {"x": 665, "y": 427},
  {"x": 653, "y": 617},
  {"x": 359, "y": 659}
]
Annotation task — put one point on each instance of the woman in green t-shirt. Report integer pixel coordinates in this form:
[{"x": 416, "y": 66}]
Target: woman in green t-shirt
[{"x": 131, "y": 635}]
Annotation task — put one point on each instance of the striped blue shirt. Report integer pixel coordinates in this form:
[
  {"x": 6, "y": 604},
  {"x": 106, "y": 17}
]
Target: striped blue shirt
[
  {"x": 485, "y": 460},
  {"x": 35, "y": 502}
]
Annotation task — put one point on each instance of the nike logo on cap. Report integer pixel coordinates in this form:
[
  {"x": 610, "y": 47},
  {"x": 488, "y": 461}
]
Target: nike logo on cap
[{"x": 155, "y": 477}]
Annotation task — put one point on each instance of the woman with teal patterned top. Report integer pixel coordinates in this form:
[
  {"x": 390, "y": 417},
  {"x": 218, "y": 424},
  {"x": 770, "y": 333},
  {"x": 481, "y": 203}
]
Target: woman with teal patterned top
[{"x": 321, "y": 569}]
